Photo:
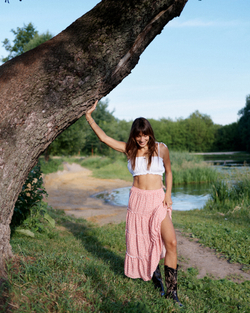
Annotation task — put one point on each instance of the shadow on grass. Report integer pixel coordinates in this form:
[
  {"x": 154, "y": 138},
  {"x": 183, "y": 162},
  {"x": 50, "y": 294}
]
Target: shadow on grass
[
  {"x": 109, "y": 289},
  {"x": 4, "y": 296},
  {"x": 91, "y": 243}
]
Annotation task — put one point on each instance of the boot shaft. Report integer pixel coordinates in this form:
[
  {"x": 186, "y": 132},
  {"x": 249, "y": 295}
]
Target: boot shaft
[{"x": 171, "y": 284}]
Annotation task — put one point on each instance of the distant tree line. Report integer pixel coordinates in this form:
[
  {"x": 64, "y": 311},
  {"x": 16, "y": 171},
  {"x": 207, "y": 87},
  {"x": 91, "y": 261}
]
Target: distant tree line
[
  {"x": 194, "y": 134},
  {"x": 197, "y": 133}
]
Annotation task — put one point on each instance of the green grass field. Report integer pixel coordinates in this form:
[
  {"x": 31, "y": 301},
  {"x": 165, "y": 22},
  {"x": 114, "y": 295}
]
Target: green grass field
[{"x": 78, "y": 267}]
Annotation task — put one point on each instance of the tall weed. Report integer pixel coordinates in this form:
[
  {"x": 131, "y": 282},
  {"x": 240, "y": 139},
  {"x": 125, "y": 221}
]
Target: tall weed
[
  {"x": 188, "y": 168},
  {"x": 230, "y": 191},
  {"x": 30, "y": 212},
  {"x": 32, "y": 193}
]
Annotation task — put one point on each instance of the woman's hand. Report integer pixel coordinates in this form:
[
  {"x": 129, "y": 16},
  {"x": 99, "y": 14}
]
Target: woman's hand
[
  {"x": 88, "y": 113},
  {"x": 167, "y": 201}
]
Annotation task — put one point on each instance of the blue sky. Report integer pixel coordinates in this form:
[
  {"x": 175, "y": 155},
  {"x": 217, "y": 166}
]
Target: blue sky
[{"x": 200, "y": 61}]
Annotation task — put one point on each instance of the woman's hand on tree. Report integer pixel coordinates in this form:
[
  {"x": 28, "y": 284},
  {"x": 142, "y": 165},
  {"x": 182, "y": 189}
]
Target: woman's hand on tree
[{"x": 91, "y": 109}]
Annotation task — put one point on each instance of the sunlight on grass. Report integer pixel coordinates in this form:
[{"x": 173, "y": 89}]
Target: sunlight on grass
[{"x": 80, "y": 269}]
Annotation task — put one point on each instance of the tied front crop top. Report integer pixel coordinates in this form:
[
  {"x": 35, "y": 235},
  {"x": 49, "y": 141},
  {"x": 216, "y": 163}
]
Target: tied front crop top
[{"x": 156, "y": 168}]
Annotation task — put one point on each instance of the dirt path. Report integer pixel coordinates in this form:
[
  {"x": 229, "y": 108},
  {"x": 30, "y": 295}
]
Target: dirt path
[{"x": 71, "y": 190}]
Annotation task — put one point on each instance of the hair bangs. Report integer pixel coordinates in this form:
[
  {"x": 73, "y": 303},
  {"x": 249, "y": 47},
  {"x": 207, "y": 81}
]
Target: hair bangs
[{"x": 140, "y": 126}]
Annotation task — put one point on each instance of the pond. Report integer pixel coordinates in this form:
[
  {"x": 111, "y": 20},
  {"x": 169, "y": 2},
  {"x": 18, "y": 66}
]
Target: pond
[{"x": 185, "y": 197}]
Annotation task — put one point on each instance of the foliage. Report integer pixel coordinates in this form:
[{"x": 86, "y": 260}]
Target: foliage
[
  {"x": 51, "y": 166},
  {"x": 39, "y": 221},
  {"x": 37, "y": 40},
  {"x": 244, "y": 125},
  {"x": 26, "y": 38},
  {"x": 30, "y": 212},
  {"x": 81, "y": 269},
  {"x": 71, "y": 141},
  {"x": 195, "y": 133},
  {"x": 227, "y": 138},
  {"x": 22, "y": 37},
  {"x": 31, "y": 195},
  {"x": 235, "y": 136},
  {"x": 200, "y": 132},
  {"x": 80, "y": 138}
]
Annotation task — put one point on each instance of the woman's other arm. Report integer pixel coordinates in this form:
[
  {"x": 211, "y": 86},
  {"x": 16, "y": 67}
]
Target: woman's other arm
[
  {"x": 168, "y": 176},
  {"x": 114, "y": 144}
]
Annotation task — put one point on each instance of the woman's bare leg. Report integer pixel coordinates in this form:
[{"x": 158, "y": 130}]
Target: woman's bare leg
[{"x": 169, "y": 238}]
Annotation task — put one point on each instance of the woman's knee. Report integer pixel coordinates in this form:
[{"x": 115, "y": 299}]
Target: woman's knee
[{"x": 171, "y": 244}]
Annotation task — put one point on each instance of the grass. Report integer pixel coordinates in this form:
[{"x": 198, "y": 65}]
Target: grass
[
  {"x": 188, "y": 168},
  {"x": 51, "y": 166},
  {"x": 80, "y": 269},
  {"x": 108, "y": 168},
  {"x": 225, "y": 233},
  {"x": 223, "y": 224},
  {"x": 78, "y": 266}
]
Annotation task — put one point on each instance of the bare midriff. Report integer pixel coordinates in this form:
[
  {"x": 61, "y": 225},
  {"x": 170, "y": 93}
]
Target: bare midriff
[{"x": 148, "y": 182}]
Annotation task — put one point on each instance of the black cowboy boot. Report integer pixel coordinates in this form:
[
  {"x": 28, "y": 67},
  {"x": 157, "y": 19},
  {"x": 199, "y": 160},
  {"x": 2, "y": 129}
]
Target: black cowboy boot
[
  {"x": 157, "y": 280},
  {"x": 171, "y": 284}
]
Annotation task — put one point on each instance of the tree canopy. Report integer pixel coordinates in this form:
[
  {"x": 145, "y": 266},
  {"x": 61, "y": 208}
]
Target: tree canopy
[
  {"x": 26, "y": 38},
  {"x": 244, "y": 125}
]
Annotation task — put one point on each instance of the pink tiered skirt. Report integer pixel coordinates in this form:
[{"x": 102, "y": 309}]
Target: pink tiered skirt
[{"x": 144, "y": 243}]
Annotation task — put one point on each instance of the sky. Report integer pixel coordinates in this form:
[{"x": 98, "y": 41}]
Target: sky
[{"x": 200, "y": 61}]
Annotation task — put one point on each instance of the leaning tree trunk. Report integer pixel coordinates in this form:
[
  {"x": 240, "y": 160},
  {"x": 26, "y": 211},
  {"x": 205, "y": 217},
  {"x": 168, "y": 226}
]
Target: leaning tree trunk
[{"x": 45, "y": 90}]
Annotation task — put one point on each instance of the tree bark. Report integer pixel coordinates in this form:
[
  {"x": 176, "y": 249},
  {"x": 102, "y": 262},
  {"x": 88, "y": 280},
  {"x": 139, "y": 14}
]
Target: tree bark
[{"x": 45, "y": 90}]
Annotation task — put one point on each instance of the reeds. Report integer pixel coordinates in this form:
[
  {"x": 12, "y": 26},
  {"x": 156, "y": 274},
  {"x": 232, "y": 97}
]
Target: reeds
[
  {"x": 188, "y": 168},
  {"x": 231, "y": 192}
]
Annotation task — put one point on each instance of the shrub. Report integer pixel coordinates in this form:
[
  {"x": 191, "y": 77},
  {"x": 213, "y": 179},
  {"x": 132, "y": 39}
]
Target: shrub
[{"x": 31, "y": 195}]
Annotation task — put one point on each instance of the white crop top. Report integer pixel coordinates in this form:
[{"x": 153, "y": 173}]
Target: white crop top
[{"x": 156, "y": 168}]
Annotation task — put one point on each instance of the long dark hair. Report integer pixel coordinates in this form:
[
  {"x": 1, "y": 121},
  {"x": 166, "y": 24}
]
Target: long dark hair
[{"x": 140, "y": 125}]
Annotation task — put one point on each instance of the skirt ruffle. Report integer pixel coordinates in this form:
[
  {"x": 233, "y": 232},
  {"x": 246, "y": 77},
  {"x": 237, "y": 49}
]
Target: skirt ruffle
[{"x": 145, "y": 246}]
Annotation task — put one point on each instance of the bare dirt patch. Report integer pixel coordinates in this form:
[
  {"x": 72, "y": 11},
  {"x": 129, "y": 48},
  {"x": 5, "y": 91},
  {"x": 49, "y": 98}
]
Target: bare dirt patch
[
  {"x": 192, "y": 254},
  {"x": 71, "y": 190}
]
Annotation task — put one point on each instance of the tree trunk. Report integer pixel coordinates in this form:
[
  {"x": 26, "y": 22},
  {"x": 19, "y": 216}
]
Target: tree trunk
[{"x": 45, "y": 90}]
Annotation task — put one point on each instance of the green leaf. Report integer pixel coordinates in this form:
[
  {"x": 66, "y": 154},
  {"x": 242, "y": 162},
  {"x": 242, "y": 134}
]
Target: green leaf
[
  {"x": 50, "y": 219},
  {"x": 26, "y": 232}
]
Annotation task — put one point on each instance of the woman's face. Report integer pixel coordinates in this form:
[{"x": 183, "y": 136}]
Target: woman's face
[{"x": 142, "y": 140}]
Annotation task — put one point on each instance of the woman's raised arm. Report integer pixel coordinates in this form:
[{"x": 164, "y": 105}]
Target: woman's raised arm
[{"x": 112, "y": 143}]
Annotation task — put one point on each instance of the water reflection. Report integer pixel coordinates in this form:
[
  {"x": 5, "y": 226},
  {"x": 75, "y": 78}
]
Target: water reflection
[{"x": 184, "y": 198}]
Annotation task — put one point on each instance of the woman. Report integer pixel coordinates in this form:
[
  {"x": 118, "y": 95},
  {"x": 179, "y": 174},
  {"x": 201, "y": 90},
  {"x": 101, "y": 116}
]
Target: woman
[{"x": 150, "y": 234}]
